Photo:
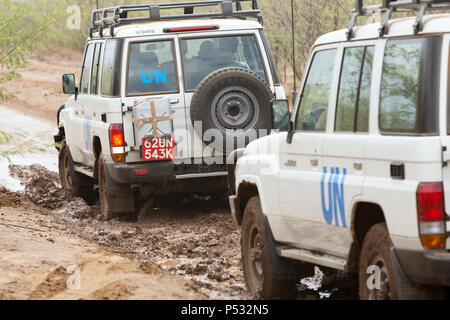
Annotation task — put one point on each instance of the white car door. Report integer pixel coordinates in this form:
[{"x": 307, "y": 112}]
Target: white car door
[
  {"x": 301, "y": 161},
  {"x": 152, "y": 71},
  {"x": 77, "y": 136},
  {"x": 344, "y": 149}
]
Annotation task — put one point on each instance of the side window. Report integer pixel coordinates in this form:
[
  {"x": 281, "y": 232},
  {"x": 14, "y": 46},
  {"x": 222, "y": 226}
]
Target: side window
[
  {"x": 409, "y": 90},
  {"x": 352, "y": 113},
  {"x": 86, "y": 72},
  {"x": 95, "y": 68},
  {"x": 111, "y": 68},
  {"x": 313, "y": 109},
  {"x": 152, "y": 68}
]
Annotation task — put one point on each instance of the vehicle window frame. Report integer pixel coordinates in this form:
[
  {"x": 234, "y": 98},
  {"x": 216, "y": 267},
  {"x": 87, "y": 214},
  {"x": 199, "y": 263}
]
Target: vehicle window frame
[
  {"x": 118, "y": 61},
  {"x": 88, "y": 45},
  {"x": 423, "y": 78},
  {"x": 305, "y": 81},
  {"x": 99, "y": 69},
  {"x": 365, "y": 46},
  {"x": 177, "y": 91},
  {"x": 211, "y": 36}
]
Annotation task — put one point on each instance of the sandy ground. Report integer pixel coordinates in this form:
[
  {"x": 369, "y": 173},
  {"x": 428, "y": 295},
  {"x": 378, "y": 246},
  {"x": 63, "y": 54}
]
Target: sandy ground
[
  {"x": 41, "y": 259},
  {"x": 177, "y": 248}
]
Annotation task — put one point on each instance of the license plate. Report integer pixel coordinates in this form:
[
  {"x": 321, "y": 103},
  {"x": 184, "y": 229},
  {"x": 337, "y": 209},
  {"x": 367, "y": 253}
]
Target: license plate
[{"x": 158, "y": 149}]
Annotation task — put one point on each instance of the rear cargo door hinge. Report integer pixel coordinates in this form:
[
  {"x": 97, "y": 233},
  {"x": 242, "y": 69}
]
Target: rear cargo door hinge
[{"x": 445, "y": 156}]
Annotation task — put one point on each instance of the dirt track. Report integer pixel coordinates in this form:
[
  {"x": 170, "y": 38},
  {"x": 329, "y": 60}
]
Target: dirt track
[{"x": 183, "y": 247}]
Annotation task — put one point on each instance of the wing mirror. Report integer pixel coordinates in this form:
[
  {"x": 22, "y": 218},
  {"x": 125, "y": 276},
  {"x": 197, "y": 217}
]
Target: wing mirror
[
  {"x": 69, "y": 86},
  {"x": 281, "y": 116}
]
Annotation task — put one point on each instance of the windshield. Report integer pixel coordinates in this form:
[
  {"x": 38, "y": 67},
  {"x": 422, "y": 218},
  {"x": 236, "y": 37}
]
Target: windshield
[
  {"x": 206, "y": 55},
  {"x": 151, "y": 68}
]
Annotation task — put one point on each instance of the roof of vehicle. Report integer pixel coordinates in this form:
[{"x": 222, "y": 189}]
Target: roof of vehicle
[
  {"x": 157, "y": 28},
  {"x": 433, "y": 24}
]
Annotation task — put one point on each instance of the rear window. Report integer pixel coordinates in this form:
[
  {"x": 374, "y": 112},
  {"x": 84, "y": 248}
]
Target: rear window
[
  {"x": 152, "y": 68},
  {"x": 206, "y": 55},
  {"x": 409, "y": 89}
]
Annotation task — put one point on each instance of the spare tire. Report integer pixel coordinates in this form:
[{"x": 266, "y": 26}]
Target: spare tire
[{"x": 236, "y": 103}]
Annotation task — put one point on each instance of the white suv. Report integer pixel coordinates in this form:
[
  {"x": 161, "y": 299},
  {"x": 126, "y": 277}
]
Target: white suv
[
  {"x": 163, "y": 99},
  {"x": 361, "y": 181}
]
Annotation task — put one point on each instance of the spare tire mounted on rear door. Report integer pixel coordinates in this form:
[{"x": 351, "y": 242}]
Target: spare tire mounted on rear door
[{"x": 234, "y": 101}]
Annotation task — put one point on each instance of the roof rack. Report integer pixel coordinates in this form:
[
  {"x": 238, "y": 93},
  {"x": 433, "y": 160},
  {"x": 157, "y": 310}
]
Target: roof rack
[
  {"x": 115, "y": 16},
  {"x": 388, "y": 7}
]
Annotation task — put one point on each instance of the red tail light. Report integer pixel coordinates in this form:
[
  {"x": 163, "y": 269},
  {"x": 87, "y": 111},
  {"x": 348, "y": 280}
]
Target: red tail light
[
  {"x": 430, "y": 202},
  {"x": 117, "y": 142},
  {"x": 431, "y": 215},
  {"x": 116, "y": 135}
]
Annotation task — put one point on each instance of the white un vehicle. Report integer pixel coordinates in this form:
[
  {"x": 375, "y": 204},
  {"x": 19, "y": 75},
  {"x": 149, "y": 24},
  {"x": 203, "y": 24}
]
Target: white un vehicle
[
  {"x": 361, "y": 181},
  {"x": 163, "y": 98}
]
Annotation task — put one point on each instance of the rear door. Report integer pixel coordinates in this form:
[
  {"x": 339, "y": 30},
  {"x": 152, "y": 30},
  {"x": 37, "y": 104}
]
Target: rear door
[
  {"x": 204, "y": 53},
  {"x": 344, "y": 149},
  {"x": 445, "y": 117},
  {"x": 151, "y": 69}
]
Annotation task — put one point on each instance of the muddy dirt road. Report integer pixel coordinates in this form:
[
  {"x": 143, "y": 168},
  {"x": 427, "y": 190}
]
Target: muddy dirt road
[{"x": 177, "y": 248}]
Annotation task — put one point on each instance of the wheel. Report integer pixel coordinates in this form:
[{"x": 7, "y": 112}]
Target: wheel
[
  {"x": 393, "y": 284},
  {"x": 235, "y": 102},
  {"x": 257, "y": 258},
  {"x": 115, "y": 199},
  {"x": 73, "y": 183}
]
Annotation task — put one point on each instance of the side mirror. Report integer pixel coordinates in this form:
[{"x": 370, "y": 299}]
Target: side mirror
[
  {"x": 281, "y": 115},
  {"x": 69, "y": 84}
]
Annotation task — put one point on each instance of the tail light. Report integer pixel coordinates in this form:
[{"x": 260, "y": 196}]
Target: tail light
[
  {"x": 431, "y": 215},
  {"x": 117, "y": 142}
]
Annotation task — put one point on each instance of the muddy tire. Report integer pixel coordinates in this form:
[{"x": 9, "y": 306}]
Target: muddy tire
[
  {"x": 394, "y": 285},
  {"x": 258, "y": 257},
  {"x": 232, "y": 99},
  {"x": 115, "y": 199},
  {"x": 73, "y": 183}
]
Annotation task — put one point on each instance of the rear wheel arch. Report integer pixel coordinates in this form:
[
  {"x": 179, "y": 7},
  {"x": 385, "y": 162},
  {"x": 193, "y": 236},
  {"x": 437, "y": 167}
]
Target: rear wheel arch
[{"x": 364, "y": 216}]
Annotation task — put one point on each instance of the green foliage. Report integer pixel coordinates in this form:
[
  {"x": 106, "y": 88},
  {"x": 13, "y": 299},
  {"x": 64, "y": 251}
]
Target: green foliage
[
  {"x": 19, "y": 144},
  {"x": 21, "y": 27}
]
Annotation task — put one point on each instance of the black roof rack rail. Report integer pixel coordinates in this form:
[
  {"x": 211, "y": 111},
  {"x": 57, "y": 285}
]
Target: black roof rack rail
[
  {"x": 115, "y": 16},
  {"x": 387, "y": 7}
]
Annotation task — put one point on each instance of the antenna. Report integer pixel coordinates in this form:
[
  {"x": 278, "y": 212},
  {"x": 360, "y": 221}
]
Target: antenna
[
  {"x": 294, "y": 65},
  {"x": 97, "y": 4}
]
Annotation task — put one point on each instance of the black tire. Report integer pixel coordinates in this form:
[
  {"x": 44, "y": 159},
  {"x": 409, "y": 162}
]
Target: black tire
[
  {"x": 258, "y": 257},
  {"x": 73, "y": 183},
  {"x": 376, "y": 251},
  {"x": 115, "y": 199},
  {"x": 232, "y": 99}
]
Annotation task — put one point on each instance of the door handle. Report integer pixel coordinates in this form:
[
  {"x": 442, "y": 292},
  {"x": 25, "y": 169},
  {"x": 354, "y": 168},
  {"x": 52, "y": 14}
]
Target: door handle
[
  {"x": 315, "y": 162},
  {"x": 174, "y": 101},
  {"x": 358, "y": 165}
]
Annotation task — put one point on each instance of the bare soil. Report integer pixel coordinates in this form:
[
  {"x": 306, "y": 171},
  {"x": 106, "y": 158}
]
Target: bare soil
[
  {"x": 175, "y": 248},
  {"x": 39, "y": 256},
  {"x": 40, "y": 84}
]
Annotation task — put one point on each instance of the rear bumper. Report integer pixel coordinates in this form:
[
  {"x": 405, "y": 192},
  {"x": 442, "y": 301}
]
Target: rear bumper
[
  {"x": 425, "y": 267},
  {"x": 127, "y": 174},
  {"x": 124, "y": 173}
]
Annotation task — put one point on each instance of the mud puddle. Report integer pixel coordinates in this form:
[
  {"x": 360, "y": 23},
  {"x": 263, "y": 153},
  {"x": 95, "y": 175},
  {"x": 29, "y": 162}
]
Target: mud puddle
[{"x": 193, "y": 236}]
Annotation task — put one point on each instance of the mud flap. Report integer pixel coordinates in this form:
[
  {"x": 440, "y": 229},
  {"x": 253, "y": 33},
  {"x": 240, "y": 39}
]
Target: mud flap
[{"x": 120, "y": 197}]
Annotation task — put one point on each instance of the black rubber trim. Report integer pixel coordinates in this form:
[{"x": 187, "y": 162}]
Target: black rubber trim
[
  {"x": 425, "y": 267},
  {"x": 126, "y": 173}
]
